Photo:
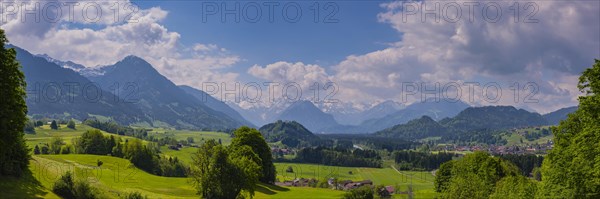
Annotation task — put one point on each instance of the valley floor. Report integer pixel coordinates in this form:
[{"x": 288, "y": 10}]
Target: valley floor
[{"x": 117, "y": 176}]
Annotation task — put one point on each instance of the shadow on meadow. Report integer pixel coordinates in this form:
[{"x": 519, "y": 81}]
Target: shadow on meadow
[
  {"x": 26, "y": 186},
  {"x": 270, "y": 189}
]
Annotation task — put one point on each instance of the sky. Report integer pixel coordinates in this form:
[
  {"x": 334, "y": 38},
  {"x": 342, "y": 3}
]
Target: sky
[{"x": 527, "y": 54}]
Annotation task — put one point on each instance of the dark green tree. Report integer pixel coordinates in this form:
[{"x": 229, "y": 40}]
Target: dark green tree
[
  {"x": 36, "y": 150},
  {"x": 14, "y": 153},
  {"x": 55, "y": 145},
  {"x": 218, "y": 172},
  {"x": 443, "y": 176},
  {"x": 71, "y": 124},
  {"x": 473, "y": 176},
  {"x": 572, "y": 168},
  {"x": 29, "y": 127},
  {"x": 54, "y": 125},
  {"x": 93, "y": 142},
  {"x": 252, "y": 137},
  {"x": 514, "y": 187},
  {"x": 45, "y": 149},
  {"x": 67, "y": 187}
]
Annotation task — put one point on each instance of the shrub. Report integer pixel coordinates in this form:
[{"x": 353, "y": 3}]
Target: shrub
[
  {"x": 45, "y": 149},
  {"x": 66, "y": 187},
  {"x": 364, "y": 192},
  {"x": 66, "y": 149},
  {"x": 71, "y": 124},
  {"x": 134, "y": 195},
  {"x": 83, "y": 190},
  {"x": 36, "y": 150},
  {"x": 54, "y": 125}
]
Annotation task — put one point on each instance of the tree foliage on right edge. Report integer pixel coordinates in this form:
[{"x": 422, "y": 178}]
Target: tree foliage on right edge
[
  {"x": 572, "y": 168},
  {"x": 14, "y": 154},
  {"x": 473, "y": 176}
]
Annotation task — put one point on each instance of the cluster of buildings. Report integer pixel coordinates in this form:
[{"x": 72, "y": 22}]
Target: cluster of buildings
[
  {"x": 541, "y": 148},
  {"x": 276, "y": 150},
  {"x": 298, "y": 182},
  {"x": 348, "y": 184},
  {"x": 521, "y": 150},
  {"x": 345, "y": 185}
]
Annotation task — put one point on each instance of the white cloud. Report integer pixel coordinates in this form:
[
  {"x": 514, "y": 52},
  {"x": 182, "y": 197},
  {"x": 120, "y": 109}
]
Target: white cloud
[
  {"x": 551, "y": 53},
  {"x": 288, "y": 75},
  {"x": 143, "y": 35},
  {"x": 205, "y": 47}
]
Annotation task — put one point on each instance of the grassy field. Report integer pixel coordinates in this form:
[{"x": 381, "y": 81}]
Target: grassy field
[
  {"x": 198, "y": 136},
  {"x": 422, "y": 182},
  {"x": 514, "y": 138},
  {"x": 185, "y": 153},
  {"x": 117, "y": 176},
  {"x": 43, "y": 134}
]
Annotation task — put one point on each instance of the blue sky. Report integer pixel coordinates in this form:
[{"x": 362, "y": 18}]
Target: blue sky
[{"x": 356, "y": 32}]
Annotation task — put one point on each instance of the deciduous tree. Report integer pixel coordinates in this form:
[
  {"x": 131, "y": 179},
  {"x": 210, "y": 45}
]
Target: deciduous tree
[
  {"x": 252, "y": 137},
  {"x": 572, "y": 168}
]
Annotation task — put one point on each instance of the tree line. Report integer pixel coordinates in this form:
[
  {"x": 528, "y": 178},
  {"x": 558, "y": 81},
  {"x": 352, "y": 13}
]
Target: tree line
[
  {"x": 114, "y": 128},
  {"x": 333, "y": 157},
  {"x": 143, "y": 156},
  {"x": 413, "y": 160},
  {"x": 570, "y": 170},
  {"x": 526, "y": 162}
]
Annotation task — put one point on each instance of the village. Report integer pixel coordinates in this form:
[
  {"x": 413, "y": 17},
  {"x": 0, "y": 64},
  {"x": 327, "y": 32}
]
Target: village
[{"x": 335, "y": 184}]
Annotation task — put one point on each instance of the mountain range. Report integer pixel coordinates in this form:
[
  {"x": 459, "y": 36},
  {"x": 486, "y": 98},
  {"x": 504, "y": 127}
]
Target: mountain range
[
  {"x": 132, "y": 91},
  {"x": 436, "y": 110},
  {"x": 57, "y": 92},
  {"x": 472, "y": 119},
  {"x": 555, "y": 117}
]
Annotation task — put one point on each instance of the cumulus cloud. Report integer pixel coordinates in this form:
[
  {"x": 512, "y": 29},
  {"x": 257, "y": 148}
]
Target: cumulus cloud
[
  {"x": 298, "y": 81},
  {"x": 131, "y": 31},
  {"x": 548, "y": 44}
]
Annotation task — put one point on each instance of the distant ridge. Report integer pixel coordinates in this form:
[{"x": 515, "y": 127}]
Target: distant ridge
[
  {"x": 435, "y": 110},
  {"x": 555, "y": 117},
  {"x": 487, "y": 118},
  {"x": 290, "y": 133}
]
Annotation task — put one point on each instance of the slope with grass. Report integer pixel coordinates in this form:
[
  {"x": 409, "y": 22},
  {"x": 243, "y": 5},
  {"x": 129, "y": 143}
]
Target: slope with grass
[
  {"x": 117, "y": 176},
  {"x": 198, "y": 136},
  {"x": 44, "y": 135}
]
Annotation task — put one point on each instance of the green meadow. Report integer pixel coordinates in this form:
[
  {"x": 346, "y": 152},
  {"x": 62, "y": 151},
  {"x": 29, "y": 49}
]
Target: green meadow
[
  {"x": 199, "y": 136},
  {"x": 515, "y": 138},
  {"x": 117, "y": 176},
  {"x": 421, "y": 181}
]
